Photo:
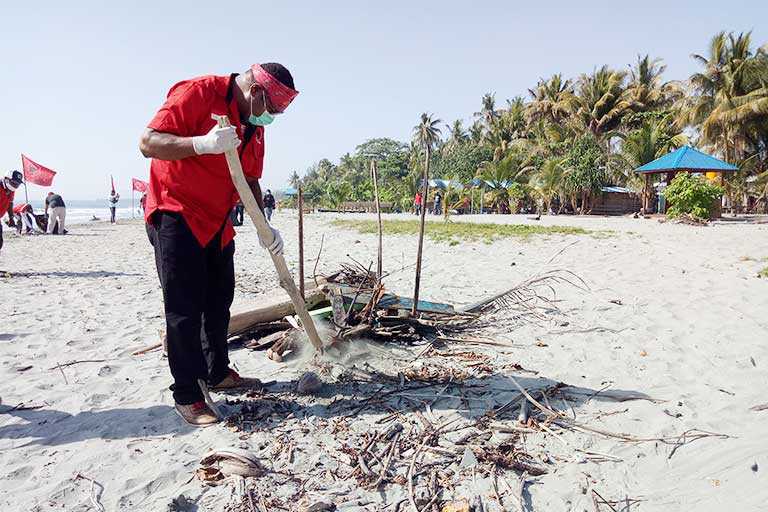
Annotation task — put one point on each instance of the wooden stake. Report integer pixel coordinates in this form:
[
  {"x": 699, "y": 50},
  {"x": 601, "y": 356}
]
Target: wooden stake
[
  {"x": 375, "y": 177},
  {"x": 301, "y": 242},
  {"x": 265, "y": 233},
  {"x": 425, "y": 191}
]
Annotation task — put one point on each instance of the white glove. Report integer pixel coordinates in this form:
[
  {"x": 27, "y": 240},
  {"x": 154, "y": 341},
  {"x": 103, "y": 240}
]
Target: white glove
[
  {"x": 216, "y": 141},
  {"x": 276, "y": 247}
]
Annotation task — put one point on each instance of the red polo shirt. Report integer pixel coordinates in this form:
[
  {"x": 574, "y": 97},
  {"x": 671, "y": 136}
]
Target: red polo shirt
[
  {"x": 6, "y": 200},
  {"x": 200, "y": 187}
]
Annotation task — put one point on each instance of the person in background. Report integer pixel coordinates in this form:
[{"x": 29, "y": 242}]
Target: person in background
[
  {"x": 113, "y": 198},
  {"x": 438, "y": 203},
  {"x": 8, "y": 187},
  {"x": 269, "y": 204},
  {"x": 25, "y": 219},
  {"x": 239, "y": 213},
  {"x": 143, "y": 202},
  {"x": 58, "y": 213},
  {"x": 417, "y": 203}
]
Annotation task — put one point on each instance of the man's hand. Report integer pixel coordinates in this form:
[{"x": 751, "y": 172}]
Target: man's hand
[
  {"x": 276, "y": 246},
  {"x": 216, "y": 141}
]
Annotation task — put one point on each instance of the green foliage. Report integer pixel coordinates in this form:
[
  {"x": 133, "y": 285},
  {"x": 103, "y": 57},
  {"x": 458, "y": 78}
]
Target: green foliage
[
  {"x": 453, "y": 232},
  {"x": 460, "y": 161},
  {"x": 691, "y": 195},
  {"x": 586, "y": 161},
  {"x": 571, "y": 136}
]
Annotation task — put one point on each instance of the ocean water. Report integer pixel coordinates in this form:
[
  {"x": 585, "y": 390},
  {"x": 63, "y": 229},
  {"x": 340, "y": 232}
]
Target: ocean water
[{"x": 83, "y": 211}]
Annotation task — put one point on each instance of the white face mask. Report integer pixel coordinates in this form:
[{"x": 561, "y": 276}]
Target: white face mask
[{"x": 10, "y": 185}]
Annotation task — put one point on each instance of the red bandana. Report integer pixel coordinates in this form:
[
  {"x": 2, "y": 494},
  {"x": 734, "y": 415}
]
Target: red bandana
[{"x": 279, "y": 95}]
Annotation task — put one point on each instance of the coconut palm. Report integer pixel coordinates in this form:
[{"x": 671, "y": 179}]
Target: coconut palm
[
  {"x": 646, "y": 91},
  {"x": 294, "y": 179},
  {"x": 721, "y": 95},
  {"x": 654, "y": 138},
  {"x": 549, "y": 182},
  {"x": 599, "y": 101},
  {"x": 553, "y": 100},
  {"x": 458, "y": 135},
  {"x": 488, "y": 112},
  {"x": 502, "y": 176}
]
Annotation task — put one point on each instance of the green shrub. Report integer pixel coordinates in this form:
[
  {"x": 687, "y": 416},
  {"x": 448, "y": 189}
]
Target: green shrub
[{"x": 691, "y": 195}]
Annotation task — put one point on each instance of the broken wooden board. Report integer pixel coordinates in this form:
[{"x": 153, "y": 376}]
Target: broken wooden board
[{"x": 392, "y": 301}]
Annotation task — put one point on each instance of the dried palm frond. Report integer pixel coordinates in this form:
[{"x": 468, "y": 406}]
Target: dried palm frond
[{"x": 531, "y": 295}]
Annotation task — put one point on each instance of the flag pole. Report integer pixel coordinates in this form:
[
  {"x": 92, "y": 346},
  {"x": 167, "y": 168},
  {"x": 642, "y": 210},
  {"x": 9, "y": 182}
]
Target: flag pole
[{"x": 26, "y": 194}]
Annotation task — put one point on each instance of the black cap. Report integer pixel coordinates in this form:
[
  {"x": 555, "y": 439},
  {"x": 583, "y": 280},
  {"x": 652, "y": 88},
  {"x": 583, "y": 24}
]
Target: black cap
[{"x": 16, "y": 176}]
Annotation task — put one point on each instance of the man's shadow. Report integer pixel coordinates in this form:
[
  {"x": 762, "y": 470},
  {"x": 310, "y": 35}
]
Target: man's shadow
[
  {"x": 472, "y": 399},
  {"x": 50, "y": 427},
  {"x": 493, "y": 395}
]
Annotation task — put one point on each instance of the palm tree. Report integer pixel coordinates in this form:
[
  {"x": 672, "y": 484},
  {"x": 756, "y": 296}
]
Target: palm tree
[
  {"x": 549, "y": 182},
  {"x": 654, "y": 138},
  {"x": 722, "y": 96},
  {"x": 553, "y": 100},
  {"x": 458, "y": 135},
  {"x": 294, "y": 179},
  {"x": 502, "y": 177},
  {"x": 426, "y": 134},
  {"x": 599, "y": 101},
  {"x": 646, "y": 91},
  {"x": 488, "y": 113}
]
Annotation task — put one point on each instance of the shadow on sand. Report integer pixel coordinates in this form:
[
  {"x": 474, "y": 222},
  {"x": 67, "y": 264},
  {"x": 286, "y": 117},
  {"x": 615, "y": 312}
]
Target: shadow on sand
[
  {"x": 49, "y": 427},
  {"x": 94, "y": 274}
]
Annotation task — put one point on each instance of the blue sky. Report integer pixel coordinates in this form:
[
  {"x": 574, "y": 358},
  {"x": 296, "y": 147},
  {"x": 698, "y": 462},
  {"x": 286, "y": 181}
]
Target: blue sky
[{"x": 80, "y": 80}]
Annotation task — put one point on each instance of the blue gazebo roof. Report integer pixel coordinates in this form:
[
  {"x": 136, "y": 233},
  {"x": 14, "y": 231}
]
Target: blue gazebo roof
[{"x": 686, "y": 159}]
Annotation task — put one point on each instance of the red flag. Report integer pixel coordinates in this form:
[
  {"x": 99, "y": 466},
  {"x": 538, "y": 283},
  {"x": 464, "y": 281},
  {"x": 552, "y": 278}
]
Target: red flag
[
  {"x": 36, "y": 173},
  {"x": 140, "y": 186}
]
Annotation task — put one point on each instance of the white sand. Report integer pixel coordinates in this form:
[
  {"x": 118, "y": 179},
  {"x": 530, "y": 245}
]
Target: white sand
[{"x": 691, "y": 329}]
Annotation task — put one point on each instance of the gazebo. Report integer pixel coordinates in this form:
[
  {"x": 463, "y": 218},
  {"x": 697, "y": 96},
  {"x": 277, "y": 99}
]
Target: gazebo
[{"x": 684, "y": 159}]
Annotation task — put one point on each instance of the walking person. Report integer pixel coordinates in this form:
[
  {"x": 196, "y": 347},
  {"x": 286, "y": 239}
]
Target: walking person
[
  {"x": 8, "y": 186},
  {"x": 269, "y": 204},
  {"x": 438, "y": 203},
  {"x": 417, "y": 202},
  {"x": 190, "y": 198},
  {"x": 113, "y": 199},
  {"x": 55, "y": 203}
]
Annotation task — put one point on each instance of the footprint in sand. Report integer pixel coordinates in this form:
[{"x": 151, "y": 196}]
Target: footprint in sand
[{"x": 106, "y": 370}]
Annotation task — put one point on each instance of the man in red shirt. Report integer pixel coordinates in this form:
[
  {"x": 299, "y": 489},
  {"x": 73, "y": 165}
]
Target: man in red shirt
[
  {"x": 187, "y": 211},
  {"x": 8, "y": 187}
]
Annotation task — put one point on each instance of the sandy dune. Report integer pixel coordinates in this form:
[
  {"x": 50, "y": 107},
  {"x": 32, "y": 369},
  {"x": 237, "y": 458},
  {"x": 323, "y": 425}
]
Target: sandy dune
[{"x": 673, "y": 312}]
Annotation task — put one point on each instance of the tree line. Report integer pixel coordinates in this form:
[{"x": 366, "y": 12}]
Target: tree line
[{"x": 555, "y": 147}]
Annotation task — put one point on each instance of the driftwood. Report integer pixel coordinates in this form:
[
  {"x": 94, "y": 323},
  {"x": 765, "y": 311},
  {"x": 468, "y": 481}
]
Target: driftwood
[{"x": 273, "y": 310}]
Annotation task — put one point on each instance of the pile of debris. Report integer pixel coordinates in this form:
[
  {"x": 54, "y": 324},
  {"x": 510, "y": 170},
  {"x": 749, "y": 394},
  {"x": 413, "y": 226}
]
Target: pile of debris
[{"x": 355, "y": 304}]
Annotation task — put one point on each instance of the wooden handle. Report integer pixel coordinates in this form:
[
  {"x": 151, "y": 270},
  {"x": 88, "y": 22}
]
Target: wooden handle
[{"x": 265, "y": 233}]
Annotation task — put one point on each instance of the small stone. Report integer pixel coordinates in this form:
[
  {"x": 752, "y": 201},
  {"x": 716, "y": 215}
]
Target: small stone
[
  {"x": 319, "y": 506},
  {"x": 754, "y": 467},
  {"x": 468, "y": 460},
  {"x": 309, "y": 383}
]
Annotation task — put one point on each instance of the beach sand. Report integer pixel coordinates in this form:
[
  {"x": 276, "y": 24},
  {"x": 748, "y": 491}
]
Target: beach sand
[{"x": 674, "y": 313}]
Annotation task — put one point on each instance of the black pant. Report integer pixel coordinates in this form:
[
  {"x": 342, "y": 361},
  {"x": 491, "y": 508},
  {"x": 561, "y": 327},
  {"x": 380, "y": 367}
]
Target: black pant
[
  {"x": 112, "y": 214},
  {"x": 198, "y": 288}
]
